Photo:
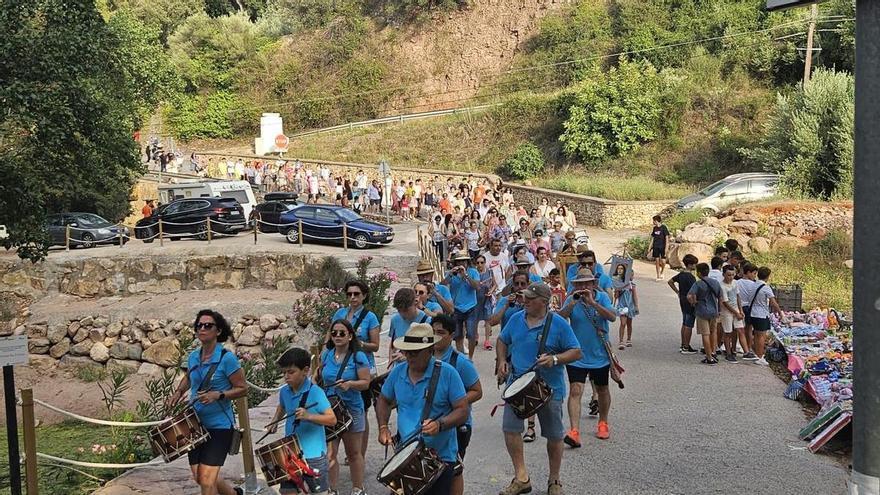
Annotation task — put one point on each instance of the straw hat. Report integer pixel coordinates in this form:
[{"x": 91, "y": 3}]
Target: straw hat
[
  {"x": 419, "y": 336},
  {"x": 461, "y": 256},
  {"x": 424, "y": 267},
  {"x": 584, "y": 275},
  {"x": 582, "y": 250}
]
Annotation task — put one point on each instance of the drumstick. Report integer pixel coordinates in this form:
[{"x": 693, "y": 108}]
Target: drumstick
[{"x": 309, "y": 406}]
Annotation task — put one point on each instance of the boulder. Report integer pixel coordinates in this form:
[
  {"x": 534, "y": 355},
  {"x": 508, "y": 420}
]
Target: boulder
[
  {"x": 82, "y": 348},
  {"x": 102, "y": 321},
  {"x": 87, "y": 321},
  {"x": 126, "y": 351},
  {"x": 81, "y": 334},
  {"x": 789, "y": 242},
  {"x": 38, "y": 345},
  {"x": 37, "y": 330},
  {"x": 251, "y": 351},
  {"x": 250, "y": 336},
  {"x": 285, "y": 285},
  {"x": 99, "y": 353},
  {"x": 746, "y": 227},
  {"x": 114, "y": 329},
  {"x": 702, "y": 235},
  {"x": 703, "y": 252},
  {"x": 759, "y": 244},
  {"x": 57, "y": 333},
  {"x": 41, "y": 362},
  {"x": 156, "y": 335},
  {"x": 126, "y": 366},
  {"x": 271, "y": 335},
  {"x": 150, "y": 369},
  {"x": 110, "y": 341},
  {"x": 97, "y": 334},
  {"x": 60, "y": 349},
  {"x": 237, "y": 329},
  {"x": 747, "y": 216},
  {"x": 269, "y": 322},
  {"x": 164, "y": 352}
]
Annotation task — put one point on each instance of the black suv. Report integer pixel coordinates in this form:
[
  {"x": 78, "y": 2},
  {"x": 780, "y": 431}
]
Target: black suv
[{"x": 189, "y": 218}]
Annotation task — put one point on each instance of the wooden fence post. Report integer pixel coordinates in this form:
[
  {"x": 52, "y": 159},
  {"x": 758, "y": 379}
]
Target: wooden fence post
[
  {"x": 247, "y": 446},
  {"x": 209, "y": 230},
  {"x": 300, "y": 237},
  {"x": 67, "y": 237},
  {"x": 161, "y": 234},
  {"x": 345, "y": 237},
  {"x": 30, "y": 441}
]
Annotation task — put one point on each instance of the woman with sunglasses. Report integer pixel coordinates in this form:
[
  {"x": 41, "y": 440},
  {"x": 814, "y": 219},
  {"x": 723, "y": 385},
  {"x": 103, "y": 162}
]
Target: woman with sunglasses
[
  {"x": 485, "y": 298},
  {"x": 343, "y": 352},
  {"x": 366, "y": 327},
  {"x": 211, "y": 395},
  {"x": 542, "y": 266},
  {"x": 545, "y": 209}
]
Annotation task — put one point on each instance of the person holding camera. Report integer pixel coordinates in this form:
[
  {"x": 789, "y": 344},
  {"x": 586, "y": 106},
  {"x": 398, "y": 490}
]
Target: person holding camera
[
  {"x": 463, "y": 281},
  {"x": 589, "y": 310},
  {"x": 436, "y": 293}
]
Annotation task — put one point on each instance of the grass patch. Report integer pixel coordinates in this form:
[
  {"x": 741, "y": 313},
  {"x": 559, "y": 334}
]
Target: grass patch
[
  {"x": 65, "y": 440},
  {"x": 610, "y": 187},
  {"x": 90, "y": 374},
  {"x": 681, "y": 219}
]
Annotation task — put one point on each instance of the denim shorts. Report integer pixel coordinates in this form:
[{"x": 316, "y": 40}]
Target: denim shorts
[
  {"x": 688, "y": 319},
  {"x": 358, "y": 421},
  {"x": 469, "y": 320},
  {"x": 550, "y": 417},
  {"x": 318, "y": 484}
]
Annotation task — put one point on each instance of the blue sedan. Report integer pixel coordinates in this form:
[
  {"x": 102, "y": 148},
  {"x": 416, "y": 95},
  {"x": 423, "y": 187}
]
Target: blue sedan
[{"x": 323, "y": 223}]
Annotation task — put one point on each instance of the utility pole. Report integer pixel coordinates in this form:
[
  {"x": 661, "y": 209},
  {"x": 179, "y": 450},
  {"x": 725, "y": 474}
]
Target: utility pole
[
  {"x": 866, "y": 292},
  {"x": 808, "y": 57}
]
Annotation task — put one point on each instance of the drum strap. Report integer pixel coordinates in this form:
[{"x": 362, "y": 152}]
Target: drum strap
[
  {"x": 302, "y": 404},
  {"x": 432, "y": 389},
  {"x": 545, "y": 332},
  {"x": 360, "y": 319},
  {"x": 344, "y": 364},
  {"x": 453, "y": 359},
  {"x": 206, "y": 382},
  {"x": 424, "y": 319}
]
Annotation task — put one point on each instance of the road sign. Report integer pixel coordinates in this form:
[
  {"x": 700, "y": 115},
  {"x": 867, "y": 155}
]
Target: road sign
[
  {"x": 13, "y": 350},
  {"x": 384, "y": 168},
  {"x": 281, "y": 142}
]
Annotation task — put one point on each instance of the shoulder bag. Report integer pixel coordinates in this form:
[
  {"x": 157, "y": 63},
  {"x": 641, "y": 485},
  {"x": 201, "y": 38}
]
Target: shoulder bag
[{"x": 747, "y": 310}]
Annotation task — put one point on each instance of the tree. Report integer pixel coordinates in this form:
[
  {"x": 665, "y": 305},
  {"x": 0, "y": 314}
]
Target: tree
[
  {"x": 613, "y": 112},
  {"x": 525, "y": 162},
  {"x": 809, "y": 137},
  {"x": 164, "y": 15},
  {"x": 68, "y": 111}
]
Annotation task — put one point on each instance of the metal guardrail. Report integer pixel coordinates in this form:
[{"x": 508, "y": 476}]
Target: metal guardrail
[{"x": 396, "y": 119}]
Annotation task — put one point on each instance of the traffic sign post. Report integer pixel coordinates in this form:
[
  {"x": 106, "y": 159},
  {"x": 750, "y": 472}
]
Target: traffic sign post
[
  {"x": 384, "y": 172},
  {"x": 13, "y": 350},
  {"x": 281, "y": 143}
]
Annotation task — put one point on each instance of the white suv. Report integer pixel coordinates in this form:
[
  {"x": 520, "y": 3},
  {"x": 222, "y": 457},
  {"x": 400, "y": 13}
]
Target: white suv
[{"x": 738, "y": 188}]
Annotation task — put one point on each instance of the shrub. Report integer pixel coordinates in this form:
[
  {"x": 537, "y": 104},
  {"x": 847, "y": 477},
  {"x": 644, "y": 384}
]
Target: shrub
[
  {"x": 836, "y": 246},
  {"x": 216, "y": 115},
  {"x": 326, "y": 273},
  {"x": 637, "y": 247},
  {"x": 681, "y": 219},
  {"x": 525, "y": 163},
  {"x": 263, "y": 370}
]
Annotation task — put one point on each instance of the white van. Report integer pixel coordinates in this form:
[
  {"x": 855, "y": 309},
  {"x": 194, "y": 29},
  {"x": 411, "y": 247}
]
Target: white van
[{"x": 239, "y": 190}]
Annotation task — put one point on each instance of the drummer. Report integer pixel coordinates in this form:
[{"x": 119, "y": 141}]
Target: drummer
[
  {"x": 407, "y": 386},
  {"x": 343, "y": 352},
  {"x": 520, "y": 339},
  {"x": 212, "y": 401},
  {"x": 444, "y": 329},
  {"x": 308, "y": 412}
]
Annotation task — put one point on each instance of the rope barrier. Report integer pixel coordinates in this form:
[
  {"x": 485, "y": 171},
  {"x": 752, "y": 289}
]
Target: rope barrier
[
  {"x": 264, "y": 390},
  {"x": 100, "y": 465},
  {"x": 96, "y": 421},
  {"x": 62, "y": 466}
]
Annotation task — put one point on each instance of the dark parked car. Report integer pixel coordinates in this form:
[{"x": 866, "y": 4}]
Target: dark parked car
[
  {"x": 86, "y": 230},
  {"x": 283, "y": 197},
  {"x": 189, "y": 218},
  {"x": 270, "y": 214},
  {"x": 322, "y": 223}
]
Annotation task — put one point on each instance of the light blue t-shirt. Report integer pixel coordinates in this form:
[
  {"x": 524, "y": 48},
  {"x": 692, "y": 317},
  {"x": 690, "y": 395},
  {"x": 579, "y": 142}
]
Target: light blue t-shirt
[
  {"x": 594, "y": 354},
  {"x": 218, "y": 414},
  {"x": 602, "y": 280},
  {"x": 312, "y": 437},
  {"x": 523, "y": 343},
  {"x": 410, "y": 400},
  {"x": 358, "y": 361},
  {"x": 399, "y": 324},
  {"x": 433, "y": 307},
  {"x": 504, "y": 302},
  {"x": 464, "y": 297},
  {"x": 363, "y": 332},
  {"x": 443, "y": 291},
  {"x": 466, "y": 371}
]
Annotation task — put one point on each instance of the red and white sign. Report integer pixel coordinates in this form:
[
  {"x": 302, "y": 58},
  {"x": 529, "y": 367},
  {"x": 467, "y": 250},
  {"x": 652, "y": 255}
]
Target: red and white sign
[{"x": 281, "y": 142}]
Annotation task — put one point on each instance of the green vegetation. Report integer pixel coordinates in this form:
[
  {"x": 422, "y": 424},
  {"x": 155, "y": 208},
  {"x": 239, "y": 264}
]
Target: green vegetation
[
  {"x": 809, "y": 138},
  {"x": 612, "y": 187},
  {"x": 825, "y": 281},
  {"x": 90, "y": 374},
  {"x": 681, "y": 219},
  {"x": 526, "y": 162}
]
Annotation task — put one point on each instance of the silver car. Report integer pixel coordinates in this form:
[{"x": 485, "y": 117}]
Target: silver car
[{"x": 737, "y": 188}]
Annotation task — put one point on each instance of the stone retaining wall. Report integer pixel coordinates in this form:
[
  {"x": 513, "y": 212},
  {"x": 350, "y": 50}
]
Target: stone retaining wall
[{"x": 124, "y": 276}]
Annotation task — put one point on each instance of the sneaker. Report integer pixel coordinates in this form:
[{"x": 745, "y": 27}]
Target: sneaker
[
  {"x": 517, "y": 487},
  {"x": 602, "y": 431},
  {"x": 487, "y": 345},
  {"x": 594, "y": 407},
  {"x": 686, "y": 349},
  {"x": 238, "y": 490},
  {"x": 358, "y": 491},
  {"x": 750, "y": 356},
  {"x": 730, "y": 358},
  {"x": 629, "y": 343},
  {"x": 762, "y": 362},
  {"x": 718, "y": 352},
  {"x": 621, "y": 347},
  {"x": 709, "y": 361},
  {"x": 573, "y": 438},
  {"x": 554, "y": 488}
]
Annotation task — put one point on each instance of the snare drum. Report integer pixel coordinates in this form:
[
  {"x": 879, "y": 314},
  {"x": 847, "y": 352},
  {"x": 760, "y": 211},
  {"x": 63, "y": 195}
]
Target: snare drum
[
  {"x": 343, "y": 418},
  {"x": 178, "y": 435},
  {"x": 376, "y": 384},
  {"x": 277, "y": 459},
  {"x": 527, "y": 394},
  {"x": 412, "y": 470}
]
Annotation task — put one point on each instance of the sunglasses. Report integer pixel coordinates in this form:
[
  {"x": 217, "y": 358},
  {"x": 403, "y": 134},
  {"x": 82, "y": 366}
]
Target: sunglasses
[
  {"x": 411, "y": 352},
  {"x": 206, "y": 326},
  {"x": 421, "y": 292},
  {"x": 350, "y": 294},
  {"x": 481, "y": 262},
  {"x": 339, "y": 333}
]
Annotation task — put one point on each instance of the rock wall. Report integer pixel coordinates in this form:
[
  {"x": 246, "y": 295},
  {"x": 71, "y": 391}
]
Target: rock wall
[
  {"x": 148, "y": 347},
  {"x": 123, "y": 276}
]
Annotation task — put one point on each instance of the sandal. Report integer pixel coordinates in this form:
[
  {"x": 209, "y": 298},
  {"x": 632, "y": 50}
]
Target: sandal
[
  {"x": 620, "y": 347},
  {"x": 629, "y": 343},
  {"x": 529, "y": 435},
  {"x": 487, "y": 345}
]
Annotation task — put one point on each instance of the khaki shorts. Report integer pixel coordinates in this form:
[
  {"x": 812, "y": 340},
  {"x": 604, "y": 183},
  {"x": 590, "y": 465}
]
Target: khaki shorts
[{"x": 706, "y": 327}]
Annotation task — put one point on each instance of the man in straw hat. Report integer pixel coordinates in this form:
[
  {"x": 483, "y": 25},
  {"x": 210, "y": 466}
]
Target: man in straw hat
[
  {"x": 439, "y": 294},
  {"x": 407, "y": 386},
  {"x": 587, "y": 259},
  {"x": 520, "y": 340},
  {"x": 589, "y": 310},
  {"x": 463, "y": 281}
]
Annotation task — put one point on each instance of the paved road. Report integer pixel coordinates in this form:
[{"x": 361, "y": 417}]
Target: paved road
[{"x": 679, "y": 427}]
